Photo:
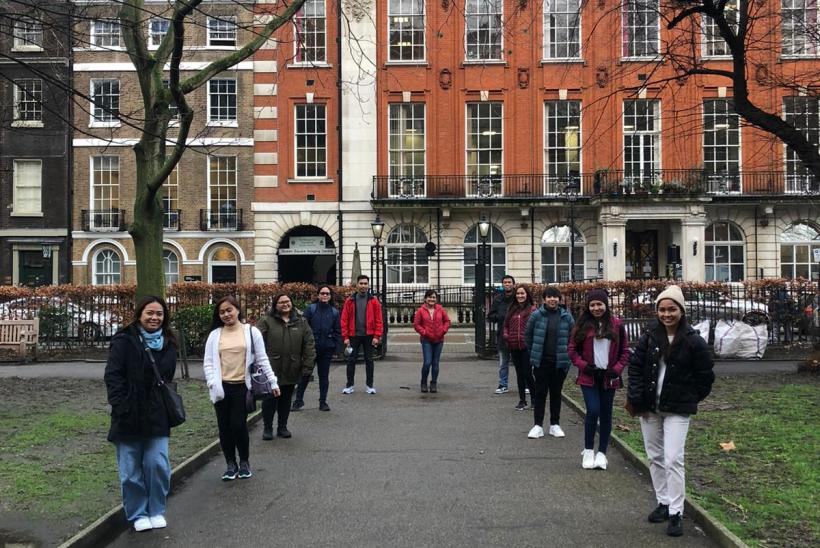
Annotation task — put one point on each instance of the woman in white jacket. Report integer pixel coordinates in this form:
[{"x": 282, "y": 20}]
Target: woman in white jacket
[{"x": 227, "y": 372}]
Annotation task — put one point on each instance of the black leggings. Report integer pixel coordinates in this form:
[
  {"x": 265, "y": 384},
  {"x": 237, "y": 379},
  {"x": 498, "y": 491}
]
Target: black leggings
[
  {"x": 232, "y": 419},
  {"x": 281, "y": 405},
  {"x": 523, "y": 375},
  {"x": 547, "y": 379}
]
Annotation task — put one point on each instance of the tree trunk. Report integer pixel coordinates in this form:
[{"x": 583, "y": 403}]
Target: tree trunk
[{"x": 147, "y": 227}]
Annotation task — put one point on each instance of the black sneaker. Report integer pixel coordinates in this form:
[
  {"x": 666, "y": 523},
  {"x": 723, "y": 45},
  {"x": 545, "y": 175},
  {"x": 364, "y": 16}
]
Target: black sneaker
[
  {"x": 433, "y": 387},
  {"x": 323, "y": 406},
  {"x": 659, "y": 514},
  {"x": 283, "y": 432},
  {"x": 423, "y": 387},
  {"x": 522, "y": 405},
  {"x": 297, "y": 405},
  {"x": 230, "y": 473},
  {"x": 675, "y": 527},
  {"x": 244, "y": 470},
  {"x": 267, "y": 433}
]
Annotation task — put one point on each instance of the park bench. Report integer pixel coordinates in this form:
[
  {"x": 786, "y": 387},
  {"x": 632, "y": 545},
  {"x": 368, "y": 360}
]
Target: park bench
[
  {"x": 19, "y": 335},
  {"x": 634, "y": 328}
]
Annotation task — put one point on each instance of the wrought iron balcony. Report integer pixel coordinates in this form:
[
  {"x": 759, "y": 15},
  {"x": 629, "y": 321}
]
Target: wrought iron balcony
[
  {"x": 103, "y": 220},
  {"x": 470, "y": 187},
  {"x": 227, "y": 218},
  {"x": 172, "y": 219}
]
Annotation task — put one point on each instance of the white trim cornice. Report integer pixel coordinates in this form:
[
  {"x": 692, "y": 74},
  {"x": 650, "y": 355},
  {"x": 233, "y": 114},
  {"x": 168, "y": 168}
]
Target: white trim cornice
[
  {"x": 196, "y": 142},
  {"x": 129, "y": 67}
]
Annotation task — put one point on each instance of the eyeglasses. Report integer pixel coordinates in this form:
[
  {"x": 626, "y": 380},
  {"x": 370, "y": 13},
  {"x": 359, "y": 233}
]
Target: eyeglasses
[
  {"x": 283, "y": 302},
  {"x": 324, "y": 293}
]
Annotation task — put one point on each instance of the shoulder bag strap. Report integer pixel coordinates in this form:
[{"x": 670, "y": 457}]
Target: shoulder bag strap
[
  {"x": 253, "y": 348},
  {"x": 160, "y": 382}
]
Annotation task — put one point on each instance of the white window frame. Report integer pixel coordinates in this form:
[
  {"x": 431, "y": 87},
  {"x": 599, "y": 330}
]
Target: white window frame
[
  {"x": 647, "y": 140},
  {"x": 713, "y": 46},
  {"x": 631, "y": 12},
  {"x": 310, "y": 34},
  {"x": 23, "y": 186},
  {"x": 405, "y": 20},
  {"x": 493, "y": 48},
  {"x": 223, "y": 119},
  {"x": 809, "y": 243},
  {"x": 302, "y": 141},
  {"x": 557, "y": 179},
  {"x": 712, "y": 244},
  {"x": 406, "y": 243},
  {"x": 798, "y": 178},
  {"x": 170, "y": 200},
  {"x": 110, "y": 276},
  {"x": 32, "y": 99},
  {"x": 108, "y": 165},
  {"x": 476, "y": 170},
  {"x": 558, "y": 16},
  {"x": 100, "y": 116},
  {"x": 558, "y": 237},
  {"x": 220, "y": 30},
  {"x": 406, "y": 175},
  {"x": 174, "y": 121},
  {"x": 28, "y": 35},
  {"x": 496, "y": 241},
  {"x": 155, "y": 36},
  {"x": 212, "y": 263},
  {"x": 170, "y": 266},
  {"x": 231, "y": 197},
  {"x": 799, "y": 21},
  {"x": 722, "y": 126},
  {"x": 108, "y": 39}
]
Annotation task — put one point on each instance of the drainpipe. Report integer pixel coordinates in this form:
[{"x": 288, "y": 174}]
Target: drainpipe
[{"x": 339, "y": 170}]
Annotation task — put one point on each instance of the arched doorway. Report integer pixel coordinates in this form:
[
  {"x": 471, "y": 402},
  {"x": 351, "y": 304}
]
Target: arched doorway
[{"x": 307, "y": 254}]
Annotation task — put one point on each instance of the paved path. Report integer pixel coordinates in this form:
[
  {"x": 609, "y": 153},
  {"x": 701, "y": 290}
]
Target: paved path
[{"x": 404, "y": 469}]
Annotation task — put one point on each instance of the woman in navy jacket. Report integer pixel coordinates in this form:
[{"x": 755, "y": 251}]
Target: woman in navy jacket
[
  {"x": 139, "y": 425},
  {"x": 323, "y": 318}
]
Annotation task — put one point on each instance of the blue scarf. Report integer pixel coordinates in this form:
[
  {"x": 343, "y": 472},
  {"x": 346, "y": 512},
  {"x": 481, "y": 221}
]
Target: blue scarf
[{"x": 152, "y": 340}]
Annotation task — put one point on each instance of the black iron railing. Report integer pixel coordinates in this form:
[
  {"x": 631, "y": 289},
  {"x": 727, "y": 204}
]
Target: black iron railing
[
  {"x": 230, "y": 219},
  {"x": 103, "y": 220}
]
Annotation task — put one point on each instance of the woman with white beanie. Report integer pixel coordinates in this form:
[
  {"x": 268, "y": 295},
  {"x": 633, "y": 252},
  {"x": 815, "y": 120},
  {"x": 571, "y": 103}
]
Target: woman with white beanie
[{"x": 669, "y": 373}]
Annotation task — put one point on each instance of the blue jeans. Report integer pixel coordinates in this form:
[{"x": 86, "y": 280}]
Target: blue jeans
[
  {"x": 145, "y": 476},
  {"x": 432, "y": 354},
  {"x": 598, "y": 401},
  {"x": 503, "y": 366}
]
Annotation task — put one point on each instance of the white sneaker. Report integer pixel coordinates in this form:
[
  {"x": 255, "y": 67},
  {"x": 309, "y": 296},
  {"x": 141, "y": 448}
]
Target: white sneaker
[
  {"x": 347, "y": 390},
  {"x": 501, "y": 389},
  {"x": 587, "y": 459},
  {"x": 556, "y": 432},
  {"x": 526, "y": 390},
  {"x": 158, "y": 522},
  {"x": 600, "y": 461},
  {"x": 536, "y": 432},
  {"x": 143, "y": 524},
  {"x": 371, "y": 390}
]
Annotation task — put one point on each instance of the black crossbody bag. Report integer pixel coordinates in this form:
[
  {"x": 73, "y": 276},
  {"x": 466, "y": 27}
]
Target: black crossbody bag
[{"x": 171, "y": 400}]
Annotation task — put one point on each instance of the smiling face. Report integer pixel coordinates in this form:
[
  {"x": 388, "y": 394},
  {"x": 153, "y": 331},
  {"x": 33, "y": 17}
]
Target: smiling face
[
  {"x": 597, "y": 309},
  {"x": 324, "y": 295},
  {"x": 669, "y": 313},
  {"x": 430, "y": 300},
  {"x": 228, "y": 313},
  {"x": 520, "y": 295},
  {"x": 152, "y": 316},
  {"x": 284, "y": 305},
  {"x": 551, "y": 302}
]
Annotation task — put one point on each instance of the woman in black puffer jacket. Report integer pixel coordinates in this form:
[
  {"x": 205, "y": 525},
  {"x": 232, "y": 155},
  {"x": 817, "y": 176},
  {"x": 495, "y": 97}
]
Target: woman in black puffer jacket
[
  {"x": 669, "y": 373},
  {"x": 139, "y": 425}
]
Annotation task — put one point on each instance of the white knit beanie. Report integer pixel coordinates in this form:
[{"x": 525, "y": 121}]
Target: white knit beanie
[{"x": 672, "y": 292}]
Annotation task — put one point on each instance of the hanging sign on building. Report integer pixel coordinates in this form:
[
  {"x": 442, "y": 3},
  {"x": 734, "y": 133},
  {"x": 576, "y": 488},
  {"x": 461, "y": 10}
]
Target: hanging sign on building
[{"x": 307, "y": 245}]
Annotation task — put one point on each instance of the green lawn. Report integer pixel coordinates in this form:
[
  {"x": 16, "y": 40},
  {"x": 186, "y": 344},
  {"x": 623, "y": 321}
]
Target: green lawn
[
  {"x": 766, "y": 490},
  {"x": 56, "y": 466}
]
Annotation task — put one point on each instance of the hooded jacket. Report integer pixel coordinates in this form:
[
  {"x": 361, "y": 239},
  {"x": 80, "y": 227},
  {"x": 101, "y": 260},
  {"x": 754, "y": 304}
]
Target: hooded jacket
[
  {"x": 688, "y": 379},
  {"x": 290, "y": 346},
  {"x": 373, "y": 317},
  {"x": 584, "y": 354},
  {"x": 431, "y": 329},
  {"x": 537, "y": 332}
]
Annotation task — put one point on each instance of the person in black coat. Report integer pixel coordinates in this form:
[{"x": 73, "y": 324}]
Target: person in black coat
[
  {"x": 139, "y": 425},
  {"x": 669, "y": 373}
]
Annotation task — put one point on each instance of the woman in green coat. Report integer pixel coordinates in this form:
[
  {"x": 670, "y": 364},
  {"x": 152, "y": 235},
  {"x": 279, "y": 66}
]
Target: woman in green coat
[{"x": 290, "y": 348}]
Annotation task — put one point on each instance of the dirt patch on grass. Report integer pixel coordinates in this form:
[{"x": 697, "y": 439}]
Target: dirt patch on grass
[{"x": 57, "y": 471}]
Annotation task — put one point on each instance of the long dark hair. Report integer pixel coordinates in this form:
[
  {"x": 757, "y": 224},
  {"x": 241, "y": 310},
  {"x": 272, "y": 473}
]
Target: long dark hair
[
  {"x": 167, "y": 332},
  {"x": 216, "y": 321},
  {"x": 604, "y": 328},
  {"x": 664, "y": 346},
  {"x": 515, "y": 306}
]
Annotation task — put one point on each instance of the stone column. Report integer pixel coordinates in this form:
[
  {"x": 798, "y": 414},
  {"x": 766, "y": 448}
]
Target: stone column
[
  {"x": 613, "y": 232},
  {"x": 693, "y": 248}
]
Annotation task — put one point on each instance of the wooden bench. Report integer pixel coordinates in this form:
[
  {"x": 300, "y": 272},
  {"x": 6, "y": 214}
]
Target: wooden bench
[{"x": 20, "y": 334}]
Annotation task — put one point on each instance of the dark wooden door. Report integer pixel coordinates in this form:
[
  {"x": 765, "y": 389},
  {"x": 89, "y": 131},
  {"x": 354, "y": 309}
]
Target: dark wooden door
[{"x": 641, "y": 254}]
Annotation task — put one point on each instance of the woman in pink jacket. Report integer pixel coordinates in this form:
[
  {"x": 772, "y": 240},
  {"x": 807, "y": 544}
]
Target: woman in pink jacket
[
  {"x": 512, "y": 331},
  {"x": 431, "y": 323},
  {"x": 599, "y": 348}
]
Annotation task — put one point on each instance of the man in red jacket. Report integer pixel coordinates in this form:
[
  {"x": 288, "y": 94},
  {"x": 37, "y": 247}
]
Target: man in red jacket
[{"x": 362, "y": 327}]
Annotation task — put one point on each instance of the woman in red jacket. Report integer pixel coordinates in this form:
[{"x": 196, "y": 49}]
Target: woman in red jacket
[
  {"x": 513, "y": 331},
  {"x": 599, "y": 348},
  {"x": 431, "y": 323}
]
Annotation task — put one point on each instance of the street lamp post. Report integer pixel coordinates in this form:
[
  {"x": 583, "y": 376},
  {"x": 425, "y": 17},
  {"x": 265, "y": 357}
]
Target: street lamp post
[
  {"x": 571, "y": 190},
  {"x": 379, "y": 272},
  {"x": 481, "y": 286}
]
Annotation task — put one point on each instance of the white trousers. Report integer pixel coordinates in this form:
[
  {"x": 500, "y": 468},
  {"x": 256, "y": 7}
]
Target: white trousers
[{"x": 664, "y": 438}]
